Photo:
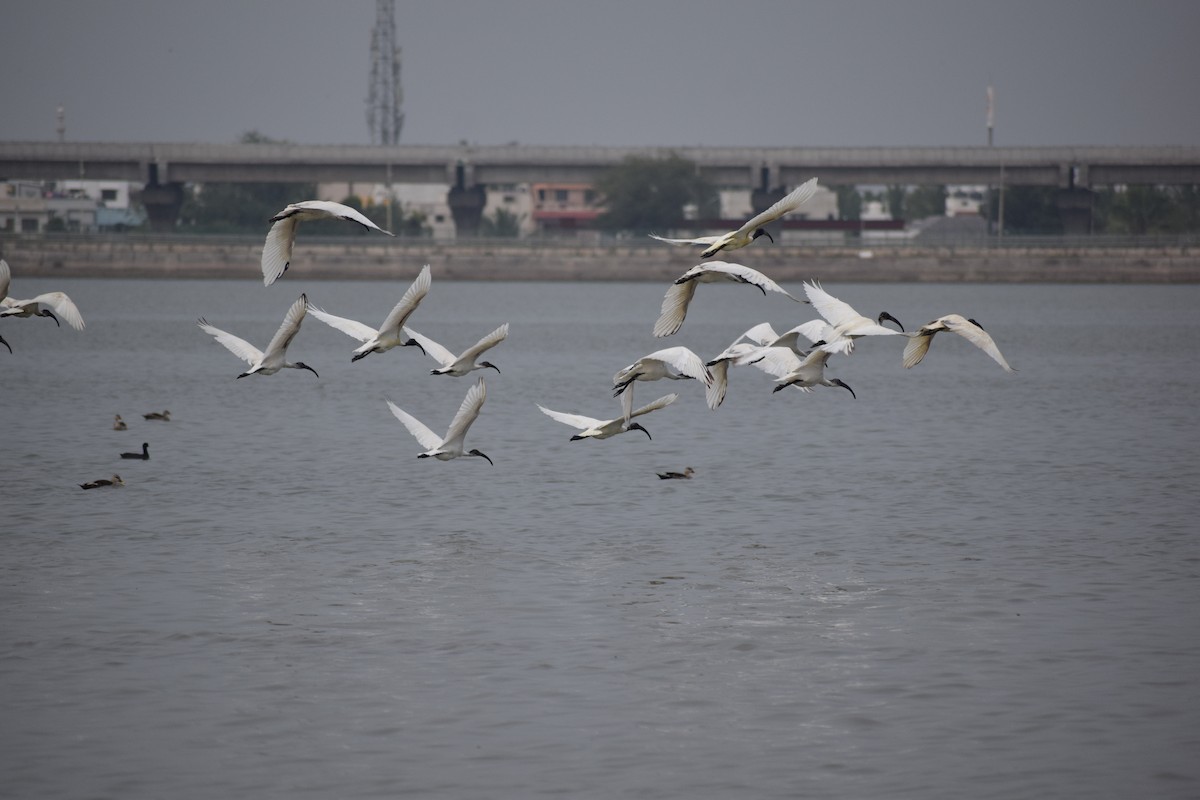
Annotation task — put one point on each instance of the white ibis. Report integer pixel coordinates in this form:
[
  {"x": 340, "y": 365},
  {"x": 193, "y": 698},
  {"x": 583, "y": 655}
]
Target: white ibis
[
  {"x": 275, "y": 356},
  {"x": 449, "y": 446},
  {"x": 277, "y": 251},
  {"x": 844, "y": 323},
  {"x": 591, "y": 428},
  {"x": 459, "y": 365},
  {"x": 675, "y": 302},
  {"x": 969, "y": 329},
  {"x": 391, "y": 333},
  {"x": 753, "y": 227}
]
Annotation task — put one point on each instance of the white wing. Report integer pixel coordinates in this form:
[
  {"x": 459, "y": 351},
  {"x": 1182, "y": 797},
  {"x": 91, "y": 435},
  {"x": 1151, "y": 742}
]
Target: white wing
[
  {"x": 976, "y": 336},
  {"x": 661, "y": 402},
  {"x": 775, "y": 361},
  {"x": 684, "y": 361},
  {"x": 288, "y": 329},
  {"x": 577, "y": 421},
  {"x": 674, "y": 308},
  {"x": 833, "y": 310},
  {"x": 702, "y": 240},
  {"x": 408, "y": 303},
  {"x": 364, "y": 333},
  {"x": 786, "y": 205},
  {"x": 916, "y": 348},
  {"x": 5, "y": 278},
  {"x": 425, "y": 437},
  {"x": 746, "y": 275},
  {"x": 486, "y": 343},
  {"x": 62, "y": 306},
  {"x": 234, "y": 344},
  {"x": 433, "y": 349},
  {"x": 328, "y": 208},
  {"x": 467, "y": 413},
  {"x": 277, "y": 250}
]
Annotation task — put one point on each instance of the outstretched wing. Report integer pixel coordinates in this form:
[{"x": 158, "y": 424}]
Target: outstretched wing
[
  {"x": 661, "y": 402},
  {"x": 289, "y": 328},
  {"x": 976, "y": 335},
  {"x": 466, "y": 415},
  {"x": 486, "y": 343},
  {"x": 785, "y": 205},
  {"x": 328, "y": 208},
  {"x": 577, "y": 421},
  {"x": 432, "y": 348},
  {"x": 425, "y": 437},
  {"x": 364, "y": 333},
  {"x": 833, "y": 310},
  {"x": 674, "y": 308},
  {"x": 408, "y": 303},
  {"x": 685, "y": 362},
  {"x": 277, "y": 250},
  {"x": 5, "y": 278},
  {"x": 63, "y": 307},
  {"x": 746, "y": 274},
  {"x": 234, "y": 344},
  {"x": 702, "y": 240}
]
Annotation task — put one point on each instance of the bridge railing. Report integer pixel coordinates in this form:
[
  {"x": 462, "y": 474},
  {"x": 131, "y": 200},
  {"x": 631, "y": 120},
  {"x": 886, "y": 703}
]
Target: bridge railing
[{"x": 814, "y": 240}]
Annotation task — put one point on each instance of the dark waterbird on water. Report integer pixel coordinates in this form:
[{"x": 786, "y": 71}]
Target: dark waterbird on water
[
  {"x": 687, "y": 474},
  {"x": 144, "y": 455},
  {"x": 114, "y": 481}
]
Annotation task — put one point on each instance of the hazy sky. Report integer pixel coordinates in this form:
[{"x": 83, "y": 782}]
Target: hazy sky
[{"x": 610, "y": 72}]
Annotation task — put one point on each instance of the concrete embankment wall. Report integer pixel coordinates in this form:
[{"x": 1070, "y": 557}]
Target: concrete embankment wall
[{"x": 378, "y": 258}]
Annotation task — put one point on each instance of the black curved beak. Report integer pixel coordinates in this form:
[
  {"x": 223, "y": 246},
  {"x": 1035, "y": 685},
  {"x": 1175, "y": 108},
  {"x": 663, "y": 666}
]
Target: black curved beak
[
  {"x": 6, "y": 344},
  {"x": 302, "y": 365},
  {"x": 763, "y": 232},
  {"x": 48, "y": 313},
  {"x": 885, "y": 315},
  {"x": 482, "y": 455},
  {"x": 416, "y": 344},
  {"x": 845, "y": 386},
  {"x": 643, "y": 430},
  {"x": 489, "y": 365}
]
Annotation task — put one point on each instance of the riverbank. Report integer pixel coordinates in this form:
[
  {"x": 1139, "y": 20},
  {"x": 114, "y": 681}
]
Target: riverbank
[{"x": 375, "y": 258}]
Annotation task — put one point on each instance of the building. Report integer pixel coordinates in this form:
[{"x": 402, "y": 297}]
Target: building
[{"x": 77, "y": 206}]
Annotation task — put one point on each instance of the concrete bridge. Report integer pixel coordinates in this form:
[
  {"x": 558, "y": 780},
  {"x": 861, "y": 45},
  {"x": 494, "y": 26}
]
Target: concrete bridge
[{"x": 469, "y": 169}]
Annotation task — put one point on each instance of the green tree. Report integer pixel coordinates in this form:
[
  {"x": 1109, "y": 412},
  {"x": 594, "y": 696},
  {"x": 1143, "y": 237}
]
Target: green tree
[
  {"x": 1030, "y": 210},
  {"x": 1139, "y": 210},
  {"x": 926, "y": 201},
  {"x": 240, "y": 207},
  {"x": 849, "y": 202},
  {"x": 502, "y": 224},
  {"x": 896, "y": 201},
  {"x": 642, "y": 194}
]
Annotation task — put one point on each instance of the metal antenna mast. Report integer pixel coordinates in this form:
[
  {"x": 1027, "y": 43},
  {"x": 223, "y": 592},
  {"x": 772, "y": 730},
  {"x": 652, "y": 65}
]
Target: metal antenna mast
[{"x": 384, "y": 96}]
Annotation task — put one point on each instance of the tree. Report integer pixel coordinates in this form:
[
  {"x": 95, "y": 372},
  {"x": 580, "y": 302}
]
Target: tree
[
  {"x": 1030, "y": 210},
  {"x": 849, "y": 202},
  {"x": 501, "y": 224},
  {"x": 926, "y": 201},
  {"x": 643, "y": 194},
  {"x": 240, "y": 207},
  {"x": 896, "y": 200}
]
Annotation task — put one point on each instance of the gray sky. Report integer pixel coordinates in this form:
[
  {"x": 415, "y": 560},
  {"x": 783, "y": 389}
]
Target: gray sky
[{"x": 609, "y": 72}]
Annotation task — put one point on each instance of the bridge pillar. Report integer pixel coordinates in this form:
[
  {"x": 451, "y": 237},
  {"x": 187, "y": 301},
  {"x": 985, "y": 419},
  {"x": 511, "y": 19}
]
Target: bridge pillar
[
  {"x": 162, "y": 202},
  {"x": 466, "y": 202},
  {"x": 1075, "y": 210}
]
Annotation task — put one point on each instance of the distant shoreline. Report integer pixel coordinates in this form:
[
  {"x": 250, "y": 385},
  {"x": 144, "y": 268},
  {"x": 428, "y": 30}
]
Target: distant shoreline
[{"x": 367, "y": 259}]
